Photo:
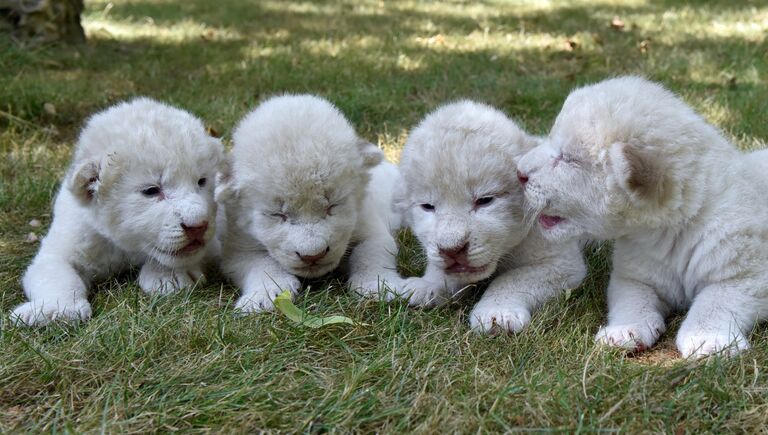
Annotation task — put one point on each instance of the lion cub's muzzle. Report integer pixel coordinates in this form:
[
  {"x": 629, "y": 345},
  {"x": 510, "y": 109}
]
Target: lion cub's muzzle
[
  {"x": 456, "y": 260},
  {"x": 195, "y": 235}
]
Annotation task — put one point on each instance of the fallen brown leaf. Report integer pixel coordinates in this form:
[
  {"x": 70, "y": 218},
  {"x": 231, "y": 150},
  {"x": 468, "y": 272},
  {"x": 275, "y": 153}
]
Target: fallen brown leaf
[
  {"x": 644, "y": 46},
  {"x": 617, "y": 23},
  {"x": 570, "y": 44},
  {"x": 437, "y": 39},
  {"x": 208, "y": 34}
]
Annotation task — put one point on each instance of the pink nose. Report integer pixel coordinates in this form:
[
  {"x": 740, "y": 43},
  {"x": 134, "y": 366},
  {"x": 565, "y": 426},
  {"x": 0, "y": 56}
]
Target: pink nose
[
  {"x": 313, "y": 258},
  {"x": 455, "y": 252},
  {"x": 195, "y": 232},
  {"x": 522, "y": 177}
]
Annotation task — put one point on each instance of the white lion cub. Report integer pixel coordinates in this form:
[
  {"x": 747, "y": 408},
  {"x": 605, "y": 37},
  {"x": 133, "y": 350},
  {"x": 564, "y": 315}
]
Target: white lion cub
[
  {"x": 297, "y": 197},
  {"x": 628, "y": 160},
  {"x": 466, "y": 208},
  {"x": 139, "y": 191}
]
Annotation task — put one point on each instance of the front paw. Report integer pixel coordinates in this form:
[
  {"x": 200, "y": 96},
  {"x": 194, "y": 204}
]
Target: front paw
[
  {"x": 423, "y": 293},
  {"x": 494, "y": 319},
  {"x": 701, "y": 344},
  {"x": 162, "y": 281},
  {"x": 635, "y": 337},
  {"x": 383, "y": 288},
  {"x": 262, "y": 299},
  {"x": 41, "y": 313}
]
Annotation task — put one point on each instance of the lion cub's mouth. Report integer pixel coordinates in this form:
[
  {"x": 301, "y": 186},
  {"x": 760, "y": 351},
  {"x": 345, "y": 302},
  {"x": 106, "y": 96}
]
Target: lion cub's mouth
[
  {"x": 464, "y": 268},
  {"x": 188, "y": 249},
  {"x": 192, "y": 247},
  {"x": 312, "y": 267},
  {"x": 549, "y": 222}
]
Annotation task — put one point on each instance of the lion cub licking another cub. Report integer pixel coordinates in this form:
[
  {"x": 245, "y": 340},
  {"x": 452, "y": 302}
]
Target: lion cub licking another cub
[
  {"x": 297, "y": 197},
  {"x": 628, "y": 160},
  {"x": 139, "y": 191},
  {"x": 466, "y": 208}
]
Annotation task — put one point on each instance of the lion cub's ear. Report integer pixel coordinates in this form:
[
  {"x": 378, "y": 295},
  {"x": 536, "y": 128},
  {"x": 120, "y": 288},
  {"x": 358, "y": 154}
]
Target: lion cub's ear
[
  {"x": 85, "y": 181},
  {"x": 642, "y": 174},
  {"x": 225, "y": 183},
  {"x": 372, "y": 155}
]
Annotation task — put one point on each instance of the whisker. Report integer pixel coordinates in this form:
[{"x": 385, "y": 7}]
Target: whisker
[{"x": 530, "y": 213}]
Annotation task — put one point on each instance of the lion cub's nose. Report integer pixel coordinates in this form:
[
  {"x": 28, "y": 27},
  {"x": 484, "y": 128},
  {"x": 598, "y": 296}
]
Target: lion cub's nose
[
  {"x": 313, "y": 258},
  {"x": 195, "y": 232},
  {"x": 454, "y": 252},
  {"x": 522, "y": 177}
]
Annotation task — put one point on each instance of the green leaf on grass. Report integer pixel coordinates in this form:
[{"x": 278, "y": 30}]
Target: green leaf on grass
[{"x": 286, "y": 306}]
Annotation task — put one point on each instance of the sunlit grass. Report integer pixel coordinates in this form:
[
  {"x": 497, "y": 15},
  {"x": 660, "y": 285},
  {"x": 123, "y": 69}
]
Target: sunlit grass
[
  {"x": 750, "y": 24},
  {"x": 184, "y": 31},
  {"x": 186, "y": 363}
]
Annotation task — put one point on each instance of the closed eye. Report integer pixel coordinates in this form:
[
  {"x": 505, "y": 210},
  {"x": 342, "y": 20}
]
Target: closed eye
[
  {"x": 569, "y": 158},
  {"x": 330, "y": 208},
  {"x": 282, "y": 216},
  {"x": 427, "y": 207}
]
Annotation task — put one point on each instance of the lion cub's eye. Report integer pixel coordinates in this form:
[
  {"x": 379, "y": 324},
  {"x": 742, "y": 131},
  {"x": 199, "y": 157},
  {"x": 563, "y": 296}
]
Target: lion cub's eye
[
  {"x": 485, "y": 200},
  {"x": 568, "y": 158},
  {"x": 282, "y": 216},
  {"x": 201, "y": 182},
  {"x": 428, "y": 207},
  {"x": 151, "y": 191}
]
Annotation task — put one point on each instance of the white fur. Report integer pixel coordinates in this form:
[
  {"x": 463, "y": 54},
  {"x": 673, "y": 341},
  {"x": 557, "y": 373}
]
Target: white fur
[
  {"x": 628, "y": 160},
  {"x": 103, "y": 223},
  {"x": 458, "y": 154},
  {"x": 298, "y": 184}
]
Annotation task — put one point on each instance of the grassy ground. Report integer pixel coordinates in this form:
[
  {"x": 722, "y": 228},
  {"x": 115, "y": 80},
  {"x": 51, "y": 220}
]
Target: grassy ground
[{"x": 185, "y": 362}]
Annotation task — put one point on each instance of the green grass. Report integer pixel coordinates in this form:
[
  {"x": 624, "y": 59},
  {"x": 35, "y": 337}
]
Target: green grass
[{"x": 184, "y": 362}]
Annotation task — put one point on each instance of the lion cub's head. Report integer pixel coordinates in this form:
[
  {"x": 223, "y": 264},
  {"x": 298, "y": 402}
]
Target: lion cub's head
[
  {"x": 145, "y": 171},
  {"x": 624, "y": 155},
  {"x": 297, "y": 179},
  {"x": 459, "y": 196}
]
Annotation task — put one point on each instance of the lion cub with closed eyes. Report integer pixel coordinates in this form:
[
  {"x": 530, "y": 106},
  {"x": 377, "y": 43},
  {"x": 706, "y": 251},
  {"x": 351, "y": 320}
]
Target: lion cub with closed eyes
[
  {"x": 628, "y": 160},
  {"x": 302, "y": 191}
]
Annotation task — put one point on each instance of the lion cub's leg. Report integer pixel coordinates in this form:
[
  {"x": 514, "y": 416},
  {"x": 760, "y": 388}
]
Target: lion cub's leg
[
  {"x": 513, "y": 296},
  {"x": 718, "y": 321},
  {"x": 55, "y": 291},
  {"x": 372, "y": 265},
  {"x": 373, "y": 268},
  {"x": 156, "y": 279},
  {"x": 635, "y": 315},
  {"x": 260, "y": 278},
  {"x": 433, "y": 289}
]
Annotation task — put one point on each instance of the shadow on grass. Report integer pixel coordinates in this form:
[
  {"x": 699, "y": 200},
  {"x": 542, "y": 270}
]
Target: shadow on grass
[{"x": 367, "y": 59}]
